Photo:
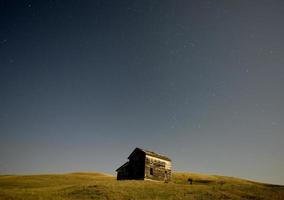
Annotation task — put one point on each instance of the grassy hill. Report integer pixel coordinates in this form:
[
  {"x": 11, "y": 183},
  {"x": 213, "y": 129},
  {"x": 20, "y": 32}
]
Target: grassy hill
[{"x": 86, "y": 186}]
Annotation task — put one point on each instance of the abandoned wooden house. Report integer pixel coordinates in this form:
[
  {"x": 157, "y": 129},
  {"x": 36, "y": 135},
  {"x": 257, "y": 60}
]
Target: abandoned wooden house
[{"x": 145, "y": 165}]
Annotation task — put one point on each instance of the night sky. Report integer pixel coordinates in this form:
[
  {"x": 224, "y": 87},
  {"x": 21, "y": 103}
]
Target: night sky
[{"x": 82, "y": 83}]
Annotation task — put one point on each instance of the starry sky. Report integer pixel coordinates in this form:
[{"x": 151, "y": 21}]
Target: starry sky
[{"x": 82, "y": 83}]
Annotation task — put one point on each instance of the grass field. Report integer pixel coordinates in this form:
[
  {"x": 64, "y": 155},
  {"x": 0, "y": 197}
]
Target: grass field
[{"x": 85, "y": 186}]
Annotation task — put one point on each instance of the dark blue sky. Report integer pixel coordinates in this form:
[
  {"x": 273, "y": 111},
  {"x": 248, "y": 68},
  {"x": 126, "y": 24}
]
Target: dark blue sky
[{"x": 82, "y": 83}]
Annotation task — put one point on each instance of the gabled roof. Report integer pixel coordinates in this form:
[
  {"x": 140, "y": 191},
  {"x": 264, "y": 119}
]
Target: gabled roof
[
  {"x": 122, "y": 166},
  {"x": 150, "y": 153}
]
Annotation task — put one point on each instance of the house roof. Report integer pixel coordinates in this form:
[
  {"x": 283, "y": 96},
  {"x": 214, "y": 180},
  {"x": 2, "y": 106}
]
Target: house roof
[
  {"x": 122, "y": 166},
  {"x": 150, "y": 153}
]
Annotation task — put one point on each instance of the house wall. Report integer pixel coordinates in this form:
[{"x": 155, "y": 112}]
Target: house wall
[
  {"x": 123, "y": 173},
  {"x": 134, "y": 169},
  {"x": 137, "y": 165},
  {"x": 161, "y": 169}
]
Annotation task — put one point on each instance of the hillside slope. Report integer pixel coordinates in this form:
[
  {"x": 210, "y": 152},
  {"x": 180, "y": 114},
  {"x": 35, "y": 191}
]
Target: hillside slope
[{"x": 86, "y": 186}]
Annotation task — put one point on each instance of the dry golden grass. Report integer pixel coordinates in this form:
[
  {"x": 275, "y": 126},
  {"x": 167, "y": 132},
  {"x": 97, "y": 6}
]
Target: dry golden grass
[{"x": 86, "y": 186}]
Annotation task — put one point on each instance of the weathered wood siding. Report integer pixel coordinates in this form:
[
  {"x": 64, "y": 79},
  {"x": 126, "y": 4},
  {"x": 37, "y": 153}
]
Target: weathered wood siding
[{"x": 161, "y": 169}]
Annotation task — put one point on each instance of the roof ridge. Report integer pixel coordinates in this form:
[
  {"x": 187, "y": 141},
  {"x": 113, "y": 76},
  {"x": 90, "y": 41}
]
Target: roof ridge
[{"x": 154, "y": 154}]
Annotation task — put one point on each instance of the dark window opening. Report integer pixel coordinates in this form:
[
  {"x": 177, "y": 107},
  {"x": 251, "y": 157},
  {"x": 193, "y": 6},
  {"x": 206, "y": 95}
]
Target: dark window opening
[{"x": 151, "y": 171}]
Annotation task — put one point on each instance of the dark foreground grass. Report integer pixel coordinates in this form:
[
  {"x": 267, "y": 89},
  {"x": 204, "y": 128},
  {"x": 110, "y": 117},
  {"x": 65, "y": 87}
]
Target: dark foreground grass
[{"x": 86, "y": 186}]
